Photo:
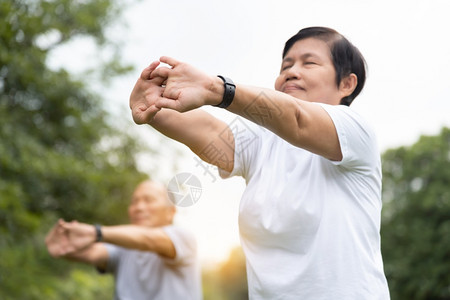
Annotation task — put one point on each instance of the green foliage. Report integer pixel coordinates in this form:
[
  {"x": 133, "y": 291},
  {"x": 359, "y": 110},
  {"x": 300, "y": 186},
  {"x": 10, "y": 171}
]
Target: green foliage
[
  {"x": 83, "y": 283},
  {"x": 229, "y": 280},
  {"x": 416, "y": 218},
  {"x": 59, "y": 157},
  {"x": 28, "y": 272}
]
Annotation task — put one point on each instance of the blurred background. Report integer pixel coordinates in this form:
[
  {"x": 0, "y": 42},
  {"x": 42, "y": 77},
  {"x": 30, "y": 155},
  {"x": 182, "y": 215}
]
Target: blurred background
[{"x": 69, "y": 148}]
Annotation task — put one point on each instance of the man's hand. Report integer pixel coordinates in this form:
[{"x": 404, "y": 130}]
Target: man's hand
[
  {"x": 80, "y": 235},
  {"x": 66, "y": 238},
  {"x": 57, "y": 240},
  {"x": 76, "y": 241},
  {"x": 147, "y": 90}
]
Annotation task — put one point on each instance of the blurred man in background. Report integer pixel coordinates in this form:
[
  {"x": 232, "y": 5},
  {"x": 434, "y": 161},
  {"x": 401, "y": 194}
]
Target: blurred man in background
[{"x": 150, "y": 258}]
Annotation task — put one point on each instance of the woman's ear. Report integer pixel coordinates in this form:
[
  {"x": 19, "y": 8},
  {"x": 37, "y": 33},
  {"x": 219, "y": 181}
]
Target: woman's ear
[{"x": 348, "y": 85}]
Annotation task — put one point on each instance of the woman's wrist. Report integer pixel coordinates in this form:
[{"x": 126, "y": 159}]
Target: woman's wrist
[{"x": 216, "y": 91}]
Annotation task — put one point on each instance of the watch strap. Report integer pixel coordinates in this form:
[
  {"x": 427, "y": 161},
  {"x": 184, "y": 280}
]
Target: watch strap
[
  {"x": 98, "y": 233},
  {"x": 229, "y": 92}
]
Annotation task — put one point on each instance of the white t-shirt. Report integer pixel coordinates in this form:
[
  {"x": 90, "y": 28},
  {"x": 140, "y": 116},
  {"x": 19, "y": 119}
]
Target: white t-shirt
[
  {"x": 147, "y": 275},
  {"x": 310, "y": 227}
]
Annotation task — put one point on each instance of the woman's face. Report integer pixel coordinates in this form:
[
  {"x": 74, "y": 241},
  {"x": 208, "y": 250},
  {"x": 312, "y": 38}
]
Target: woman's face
[{"x": 307, "y": 73}]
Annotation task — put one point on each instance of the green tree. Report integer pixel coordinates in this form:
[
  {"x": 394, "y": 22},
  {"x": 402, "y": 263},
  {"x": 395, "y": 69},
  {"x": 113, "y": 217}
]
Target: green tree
[
  {"x": 233, "y": 276},
  {"x": 416, "y": 218},
  {"x": 228, "y": 280},
  {"x": 59, "y": 155}
]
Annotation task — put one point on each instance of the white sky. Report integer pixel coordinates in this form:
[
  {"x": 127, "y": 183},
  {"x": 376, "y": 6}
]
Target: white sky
[{"x": 406, "y": 45}]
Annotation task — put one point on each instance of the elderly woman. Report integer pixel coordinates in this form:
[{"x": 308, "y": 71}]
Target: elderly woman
[{"x": 309, "y": 217}]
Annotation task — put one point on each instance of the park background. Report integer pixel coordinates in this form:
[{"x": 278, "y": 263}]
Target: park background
[{"x": 69, "y": 148}]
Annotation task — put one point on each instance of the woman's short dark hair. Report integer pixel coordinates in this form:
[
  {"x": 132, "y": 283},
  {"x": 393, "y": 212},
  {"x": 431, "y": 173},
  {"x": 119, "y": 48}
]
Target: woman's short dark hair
[{"x": 346, "y": 58}]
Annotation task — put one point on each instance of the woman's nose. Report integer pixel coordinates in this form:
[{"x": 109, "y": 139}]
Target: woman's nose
[{"x": 293, "y": 72}]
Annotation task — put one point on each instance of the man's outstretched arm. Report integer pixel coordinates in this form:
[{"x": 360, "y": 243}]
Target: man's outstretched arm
[{"x": 74, "y": 238}]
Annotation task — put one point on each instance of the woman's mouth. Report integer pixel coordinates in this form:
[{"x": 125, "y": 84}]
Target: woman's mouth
[{"x": 292, "y": 87}]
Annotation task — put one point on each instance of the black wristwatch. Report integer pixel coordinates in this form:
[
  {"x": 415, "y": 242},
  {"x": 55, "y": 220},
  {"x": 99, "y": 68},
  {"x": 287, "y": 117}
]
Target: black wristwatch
[
  {"x": 98, "y": 233},
  {"x": 228, "y": 94}
]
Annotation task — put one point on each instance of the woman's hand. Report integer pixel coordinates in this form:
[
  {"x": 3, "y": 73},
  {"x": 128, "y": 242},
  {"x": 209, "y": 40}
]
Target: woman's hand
[
  {"x": 147, "y": 90},
  {"x": 186, "y": 88}
]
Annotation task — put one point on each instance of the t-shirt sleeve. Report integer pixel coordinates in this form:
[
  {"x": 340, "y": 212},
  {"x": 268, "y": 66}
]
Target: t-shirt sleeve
[
  {"x": 185, "y": 245},
  {"x": 357, "y": 139},
  {"x": 246, "y": 142},
  {"x": 113, "y": 258}
]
